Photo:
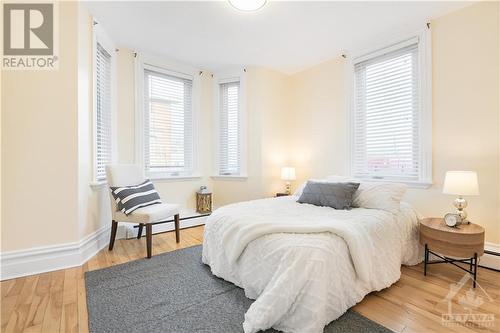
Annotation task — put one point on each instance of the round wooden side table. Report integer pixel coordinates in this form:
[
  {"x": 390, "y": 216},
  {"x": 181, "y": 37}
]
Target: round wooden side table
[{"x": 463, "y": 241}]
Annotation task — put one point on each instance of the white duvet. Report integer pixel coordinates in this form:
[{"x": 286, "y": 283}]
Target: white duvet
[{"x": 306, "y": 265}]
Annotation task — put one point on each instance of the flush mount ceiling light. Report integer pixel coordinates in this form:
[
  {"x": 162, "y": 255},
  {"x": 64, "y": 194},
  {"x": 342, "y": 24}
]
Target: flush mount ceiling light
[{"x": 248, "y": 5}]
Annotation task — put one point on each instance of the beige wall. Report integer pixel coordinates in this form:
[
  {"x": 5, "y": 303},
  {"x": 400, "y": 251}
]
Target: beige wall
[
  {"x": 47, "y": 145},
  {"x": 319, "y": 121},
  {"x": 298, "y": 120},
  {"x": 465, "y": 119},
  {"x": 267, "y": 107},
  {"x": 40, "y": 147},
  {"x": 466, "y": 111},
  {"x": 498, "y": 94}
]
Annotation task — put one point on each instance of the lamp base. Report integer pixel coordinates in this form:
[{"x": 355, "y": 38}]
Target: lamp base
[
  {"x": 288, "y": 189},
  {"x": 460, "y": 203}
]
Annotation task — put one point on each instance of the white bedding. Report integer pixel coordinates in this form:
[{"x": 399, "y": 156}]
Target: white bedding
[{"x": 306, "y": 265}]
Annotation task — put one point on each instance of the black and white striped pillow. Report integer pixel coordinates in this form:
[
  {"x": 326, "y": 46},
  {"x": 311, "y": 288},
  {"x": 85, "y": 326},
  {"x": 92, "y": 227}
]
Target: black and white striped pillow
[{"x": 130, "y": 198}]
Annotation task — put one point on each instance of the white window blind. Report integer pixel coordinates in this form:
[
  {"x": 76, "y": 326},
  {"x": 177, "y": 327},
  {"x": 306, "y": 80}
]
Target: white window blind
[
  {"x": 229, "y": 129},
  {"x": 103, "y": 149},
  {"x": 387, "y": 142},
  {"x": 168, "y": 124}
]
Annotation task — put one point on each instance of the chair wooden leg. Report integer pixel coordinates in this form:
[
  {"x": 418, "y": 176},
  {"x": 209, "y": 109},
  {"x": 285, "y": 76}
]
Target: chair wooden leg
[
  {"x": 149, "y": 238},
  {"x": 177, "y": 228},
  {"x": 139, "y": 232},
  {"x": 114, "y": 226}
]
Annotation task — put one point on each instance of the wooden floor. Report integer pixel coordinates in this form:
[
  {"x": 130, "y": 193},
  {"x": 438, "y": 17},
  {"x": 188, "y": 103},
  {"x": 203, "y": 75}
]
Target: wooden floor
[{"x": 55, "y": 301}]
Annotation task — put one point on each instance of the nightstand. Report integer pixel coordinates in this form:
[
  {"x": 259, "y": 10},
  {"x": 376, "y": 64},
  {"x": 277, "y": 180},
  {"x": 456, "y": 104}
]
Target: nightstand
[
  {"x": 282, "y": 194},
  {"x": 464, "y": 241}
]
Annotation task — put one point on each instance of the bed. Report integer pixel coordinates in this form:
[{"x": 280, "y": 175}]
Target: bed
[{"x": 306, "y": 265}]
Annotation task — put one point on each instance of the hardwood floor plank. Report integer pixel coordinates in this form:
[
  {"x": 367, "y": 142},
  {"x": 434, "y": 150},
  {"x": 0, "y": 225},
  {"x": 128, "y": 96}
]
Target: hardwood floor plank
[
  {"x": 16, "y": 287},
  {"x": 102, "y": 258},
  {"x": 10, "y": 294},
  {"x": 383, "y": 312},
  {"x": 120, "y": 255},
  {"x": 7, "y": 308},
  {"x": 53, "y": 313},
  {"x": 39, "y": 304},
  {"x": 56, "y": 301},
  {"x": 69, "y": 319},
  {"x": 19, "y": 316},
  {"x": 6, "y": 286},
  {"x": 196, "y": 233},
  {"x": 83, "y": 326},
  {"x": 92, "y": 263}
]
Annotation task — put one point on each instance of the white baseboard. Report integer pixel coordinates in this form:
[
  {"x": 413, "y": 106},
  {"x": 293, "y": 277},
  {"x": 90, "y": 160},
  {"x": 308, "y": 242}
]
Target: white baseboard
[
  {"x": 38, "y": 260},
  {"x": 131, "y": 232},
  {"x": 51, "y": 258}
]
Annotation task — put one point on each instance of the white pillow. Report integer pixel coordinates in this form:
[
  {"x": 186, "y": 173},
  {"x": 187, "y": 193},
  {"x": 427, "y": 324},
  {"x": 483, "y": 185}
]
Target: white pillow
[{"x": 385, "y": 196}]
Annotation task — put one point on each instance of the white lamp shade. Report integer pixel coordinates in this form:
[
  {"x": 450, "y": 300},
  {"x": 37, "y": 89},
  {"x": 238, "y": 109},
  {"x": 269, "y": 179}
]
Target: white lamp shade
[
  {"x": 288, "y": 173},
  {"x": 461, "y": 183}
]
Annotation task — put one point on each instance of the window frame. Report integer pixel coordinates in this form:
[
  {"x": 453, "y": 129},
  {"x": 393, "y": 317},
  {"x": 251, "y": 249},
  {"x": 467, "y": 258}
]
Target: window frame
[
  {"x": 158, "y": 64},
  {"x": 100, "y": 37},
  {"x": 423, "y": 38},
  {"x": 221, "y": 78}
]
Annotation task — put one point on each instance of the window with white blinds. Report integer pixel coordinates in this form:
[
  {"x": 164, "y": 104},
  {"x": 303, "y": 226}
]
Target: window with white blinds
[
  {"x": 103, "y": 112},
  {"x": 387, "y": 133},
  {"x": 229, "y": 159},
  {"x": 168, "y": 124}
]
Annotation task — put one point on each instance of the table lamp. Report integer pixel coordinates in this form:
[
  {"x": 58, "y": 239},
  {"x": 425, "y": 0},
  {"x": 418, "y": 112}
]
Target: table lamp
[
  {"x": 287, "y": 174},
  {"x": 461, "y": 183}
]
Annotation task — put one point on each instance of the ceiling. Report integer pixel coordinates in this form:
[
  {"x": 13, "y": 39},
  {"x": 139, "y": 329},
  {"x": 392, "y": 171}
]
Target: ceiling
[{"x": 286, "y": 36}]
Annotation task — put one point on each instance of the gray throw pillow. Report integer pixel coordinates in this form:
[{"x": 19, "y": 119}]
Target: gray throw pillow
[{"x": 335, "y": 195}]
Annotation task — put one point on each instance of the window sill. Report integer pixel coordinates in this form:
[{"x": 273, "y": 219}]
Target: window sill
[
  {"x": 174, "y": 178},
  {"x": 418, "y": 184},
  {"x": 230, "y": 177},
  {"x": 96, "y": 185},
  {"x": 422, "y": 184}
]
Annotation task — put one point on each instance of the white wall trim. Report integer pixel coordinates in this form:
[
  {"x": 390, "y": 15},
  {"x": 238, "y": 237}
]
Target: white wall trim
[
  {"x": 241, "y": 177},
  {"x": 423, "y": 38},
  {"x": 163, "y": 65},
  {"x": 224, "y": 77},
  {"x": 50, "y": 258},
  {"x": 99, "y": 36}
]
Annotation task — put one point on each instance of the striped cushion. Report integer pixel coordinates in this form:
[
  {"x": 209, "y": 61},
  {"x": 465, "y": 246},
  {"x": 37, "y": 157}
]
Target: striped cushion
[{"x": 130, "y": 198}]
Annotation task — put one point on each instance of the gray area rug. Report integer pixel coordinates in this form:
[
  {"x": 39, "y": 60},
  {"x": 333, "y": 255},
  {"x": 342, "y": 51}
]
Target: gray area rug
[{"x": 176, "y": 292}]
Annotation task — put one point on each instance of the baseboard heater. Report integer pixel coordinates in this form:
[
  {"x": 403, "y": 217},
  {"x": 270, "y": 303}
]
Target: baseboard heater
[
  {"x": 491, "y": 253},
  {"x": 187, "y": 219}
]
